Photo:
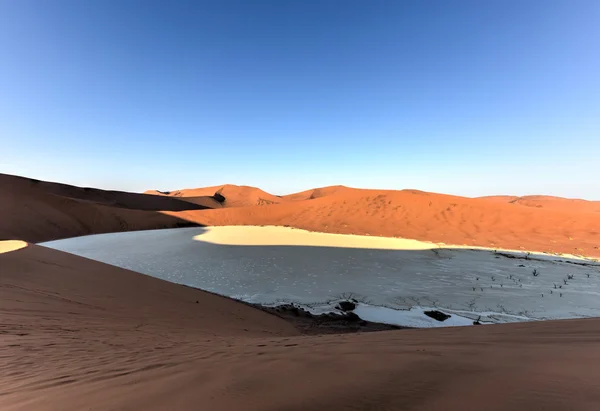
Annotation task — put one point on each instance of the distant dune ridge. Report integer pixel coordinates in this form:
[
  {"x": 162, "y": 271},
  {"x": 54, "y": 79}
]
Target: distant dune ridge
[
  {"x": 551, "y": 202},
  {"x": 39, "y": 211},
  {"x": 235, "y": 196},
  {"x": 557, "y": 226}
]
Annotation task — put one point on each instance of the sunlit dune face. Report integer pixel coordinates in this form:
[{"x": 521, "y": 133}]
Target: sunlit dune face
[{"x": 11, "y": 245}]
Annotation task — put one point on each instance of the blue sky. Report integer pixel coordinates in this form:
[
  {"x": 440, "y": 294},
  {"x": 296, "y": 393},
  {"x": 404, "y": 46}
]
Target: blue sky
[{"x": 462, "y": 97}]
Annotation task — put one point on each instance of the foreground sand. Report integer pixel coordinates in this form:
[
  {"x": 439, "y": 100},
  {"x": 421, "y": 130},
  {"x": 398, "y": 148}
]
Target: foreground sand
[{"x": 77, "y": 334}]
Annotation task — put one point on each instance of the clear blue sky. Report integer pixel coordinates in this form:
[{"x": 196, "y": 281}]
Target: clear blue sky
[{"x": 463, "y": 97}]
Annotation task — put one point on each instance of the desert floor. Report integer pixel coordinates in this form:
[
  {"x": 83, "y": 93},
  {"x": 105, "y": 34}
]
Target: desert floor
[{"x": 80, "y": 334}]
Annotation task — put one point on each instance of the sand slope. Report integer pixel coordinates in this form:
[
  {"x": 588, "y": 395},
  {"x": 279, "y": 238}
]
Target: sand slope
[
  {"x": 37, "y": 211},
  {"x": 550, "y": 202},
  {"x": 117, "y": 199},
  {"x": 77, "y": 334},
  {"x": 235, "y": 196},
  {"x": 315, "y": 193},
  {"x": 425, "y": 216}
]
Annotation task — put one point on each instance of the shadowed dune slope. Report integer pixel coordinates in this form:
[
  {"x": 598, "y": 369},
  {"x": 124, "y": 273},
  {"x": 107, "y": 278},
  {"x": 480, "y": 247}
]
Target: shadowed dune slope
[
  {"x": 425, "y": 216},
  {"x": 37, "y": 211},
  {"x": 118, "y": 199},
  {"x": 78, "y": 334}
]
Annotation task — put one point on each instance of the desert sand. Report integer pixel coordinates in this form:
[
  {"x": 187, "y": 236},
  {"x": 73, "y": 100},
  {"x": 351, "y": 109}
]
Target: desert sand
[
  {"x": 11, "y": 245},
  {"x": 36, "y": 211},
  {"x": 79, "y": 334},
  {"x": 39, "y": 211},
  {"x": 235, "y": 196},
  {"x": 550, "y": 202},
  {"x": 425, "y": 216}
]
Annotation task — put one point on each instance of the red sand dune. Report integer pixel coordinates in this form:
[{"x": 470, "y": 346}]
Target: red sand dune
[
  {"x": 235, "y": 196},
  {"x": 38, "y": 211},
  {"x": 550, "y": 202},
  {"x": 77, "y": 334},
  {"x": 315, "y": 193},
  {"x": 35, "y": 211},
  {"x": 426, "y": 216}
]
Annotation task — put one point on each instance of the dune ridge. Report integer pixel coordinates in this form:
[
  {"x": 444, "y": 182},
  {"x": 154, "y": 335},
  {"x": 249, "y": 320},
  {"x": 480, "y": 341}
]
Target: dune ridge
[
  {"x": 425, "y": 216},
  {"x": 38, "y": 211},
  {"x": 235, "y": 196}
]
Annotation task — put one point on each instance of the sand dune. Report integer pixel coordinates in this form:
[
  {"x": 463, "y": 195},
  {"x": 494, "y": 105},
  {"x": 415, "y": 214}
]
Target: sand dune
[
  {"x": 117, "y": 199},
  {"x": 425, "y": 216},
  {"x": 315, "y": 193},
  {"x": 37, "y": 211},
  {"x": 235, "y": 196},
  {"x": 11, "y": 245},
  {"x": 78, "y": 334},
  {"x": 550, "y": 202}
]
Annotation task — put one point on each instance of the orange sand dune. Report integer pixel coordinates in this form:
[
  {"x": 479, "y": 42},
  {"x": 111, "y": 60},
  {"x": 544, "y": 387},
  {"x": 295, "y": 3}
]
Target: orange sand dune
[
  {"x": 314, "y": 193},
  {"x": 425, "y": 216},
  {"x": 550, "y": 202},
  {"x": 77, "y": 334},
  {"x": 235, "y": 196},
  {"x": 36, "y": 211}
]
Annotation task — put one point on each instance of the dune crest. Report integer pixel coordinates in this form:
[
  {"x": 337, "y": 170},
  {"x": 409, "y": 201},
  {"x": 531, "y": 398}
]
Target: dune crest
[
  {"x": 235, "y": 196},
  {"x": 424, "y": 216},
  {"x": 38, "y": 211},
  {"x": 550, "y": 202},
  {"x": 35, "y": 211}
]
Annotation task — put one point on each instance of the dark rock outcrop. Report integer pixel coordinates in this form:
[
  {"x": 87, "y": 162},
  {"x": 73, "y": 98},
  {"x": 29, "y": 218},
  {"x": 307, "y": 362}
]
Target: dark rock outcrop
[
  {"x": 346, "y": 306},
  {"x": 219, "y": 197},
  {"x": 437, "y": 315}
]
